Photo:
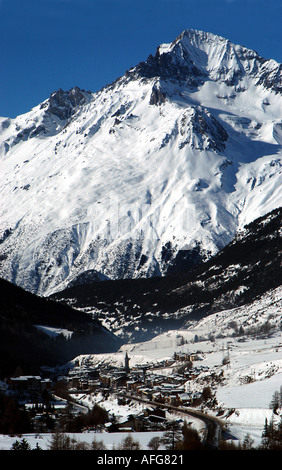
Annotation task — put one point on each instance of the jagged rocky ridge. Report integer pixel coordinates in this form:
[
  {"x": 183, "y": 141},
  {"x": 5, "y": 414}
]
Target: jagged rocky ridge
[
  {"x": 187, "y": 61},
  {"x": 150, "y": 176},
  {"x": 240, "y": 273}
]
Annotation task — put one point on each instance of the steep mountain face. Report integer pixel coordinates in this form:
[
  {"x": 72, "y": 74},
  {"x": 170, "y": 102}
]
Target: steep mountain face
[
  {"x": 242, "y": 272},
  {"x": 147, "y": 177}
]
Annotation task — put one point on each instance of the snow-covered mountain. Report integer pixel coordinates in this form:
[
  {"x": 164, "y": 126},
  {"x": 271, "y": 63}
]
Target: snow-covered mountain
[{"x": 158, "y": 170}]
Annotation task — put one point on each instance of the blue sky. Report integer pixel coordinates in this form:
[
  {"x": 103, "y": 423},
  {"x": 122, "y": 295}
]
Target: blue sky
[{"x": 51, "y": 44}]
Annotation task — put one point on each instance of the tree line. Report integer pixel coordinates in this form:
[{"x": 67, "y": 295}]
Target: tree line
[{"x": 174, "y": 438}]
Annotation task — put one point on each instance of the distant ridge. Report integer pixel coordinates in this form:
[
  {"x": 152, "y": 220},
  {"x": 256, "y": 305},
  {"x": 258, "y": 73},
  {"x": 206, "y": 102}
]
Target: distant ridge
[
  {"x": 26, "y": 347},
  {"x": 243, "y": 271}
]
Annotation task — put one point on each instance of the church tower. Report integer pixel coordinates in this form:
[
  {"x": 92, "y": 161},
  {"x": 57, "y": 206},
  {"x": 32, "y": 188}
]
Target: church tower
[{"x": 126, "y": 363}]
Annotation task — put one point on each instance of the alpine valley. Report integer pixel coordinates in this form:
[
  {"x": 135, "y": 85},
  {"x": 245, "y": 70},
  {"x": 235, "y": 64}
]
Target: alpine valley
[{"x": 146, "y": 218}]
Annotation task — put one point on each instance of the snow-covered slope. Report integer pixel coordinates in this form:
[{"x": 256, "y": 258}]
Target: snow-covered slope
[
  {"x": 220, "y": 327},
  {"x": 180, "y": 152},
  {"x": 139, "y": 309}
]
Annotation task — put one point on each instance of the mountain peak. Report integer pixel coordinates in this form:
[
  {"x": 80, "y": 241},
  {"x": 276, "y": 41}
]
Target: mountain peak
[
  {"x": 198, "y": 37},
  {"x": 196, "y": 56}
]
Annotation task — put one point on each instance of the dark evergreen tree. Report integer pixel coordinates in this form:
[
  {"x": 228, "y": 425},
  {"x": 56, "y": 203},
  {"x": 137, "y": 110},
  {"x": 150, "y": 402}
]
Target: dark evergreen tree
[
  {"x": 248, "y": 442},
  {"x": 264, "y": 436},
  {"x": 191, "y": 439},
  {"x": 21, "y": 445},
  {"x": 274, "y": 404}
]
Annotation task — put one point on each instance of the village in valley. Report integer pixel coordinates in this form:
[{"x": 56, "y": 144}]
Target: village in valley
[
  {"x": 180, "y": 378},
  {"x": 75, "y": 398}
]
